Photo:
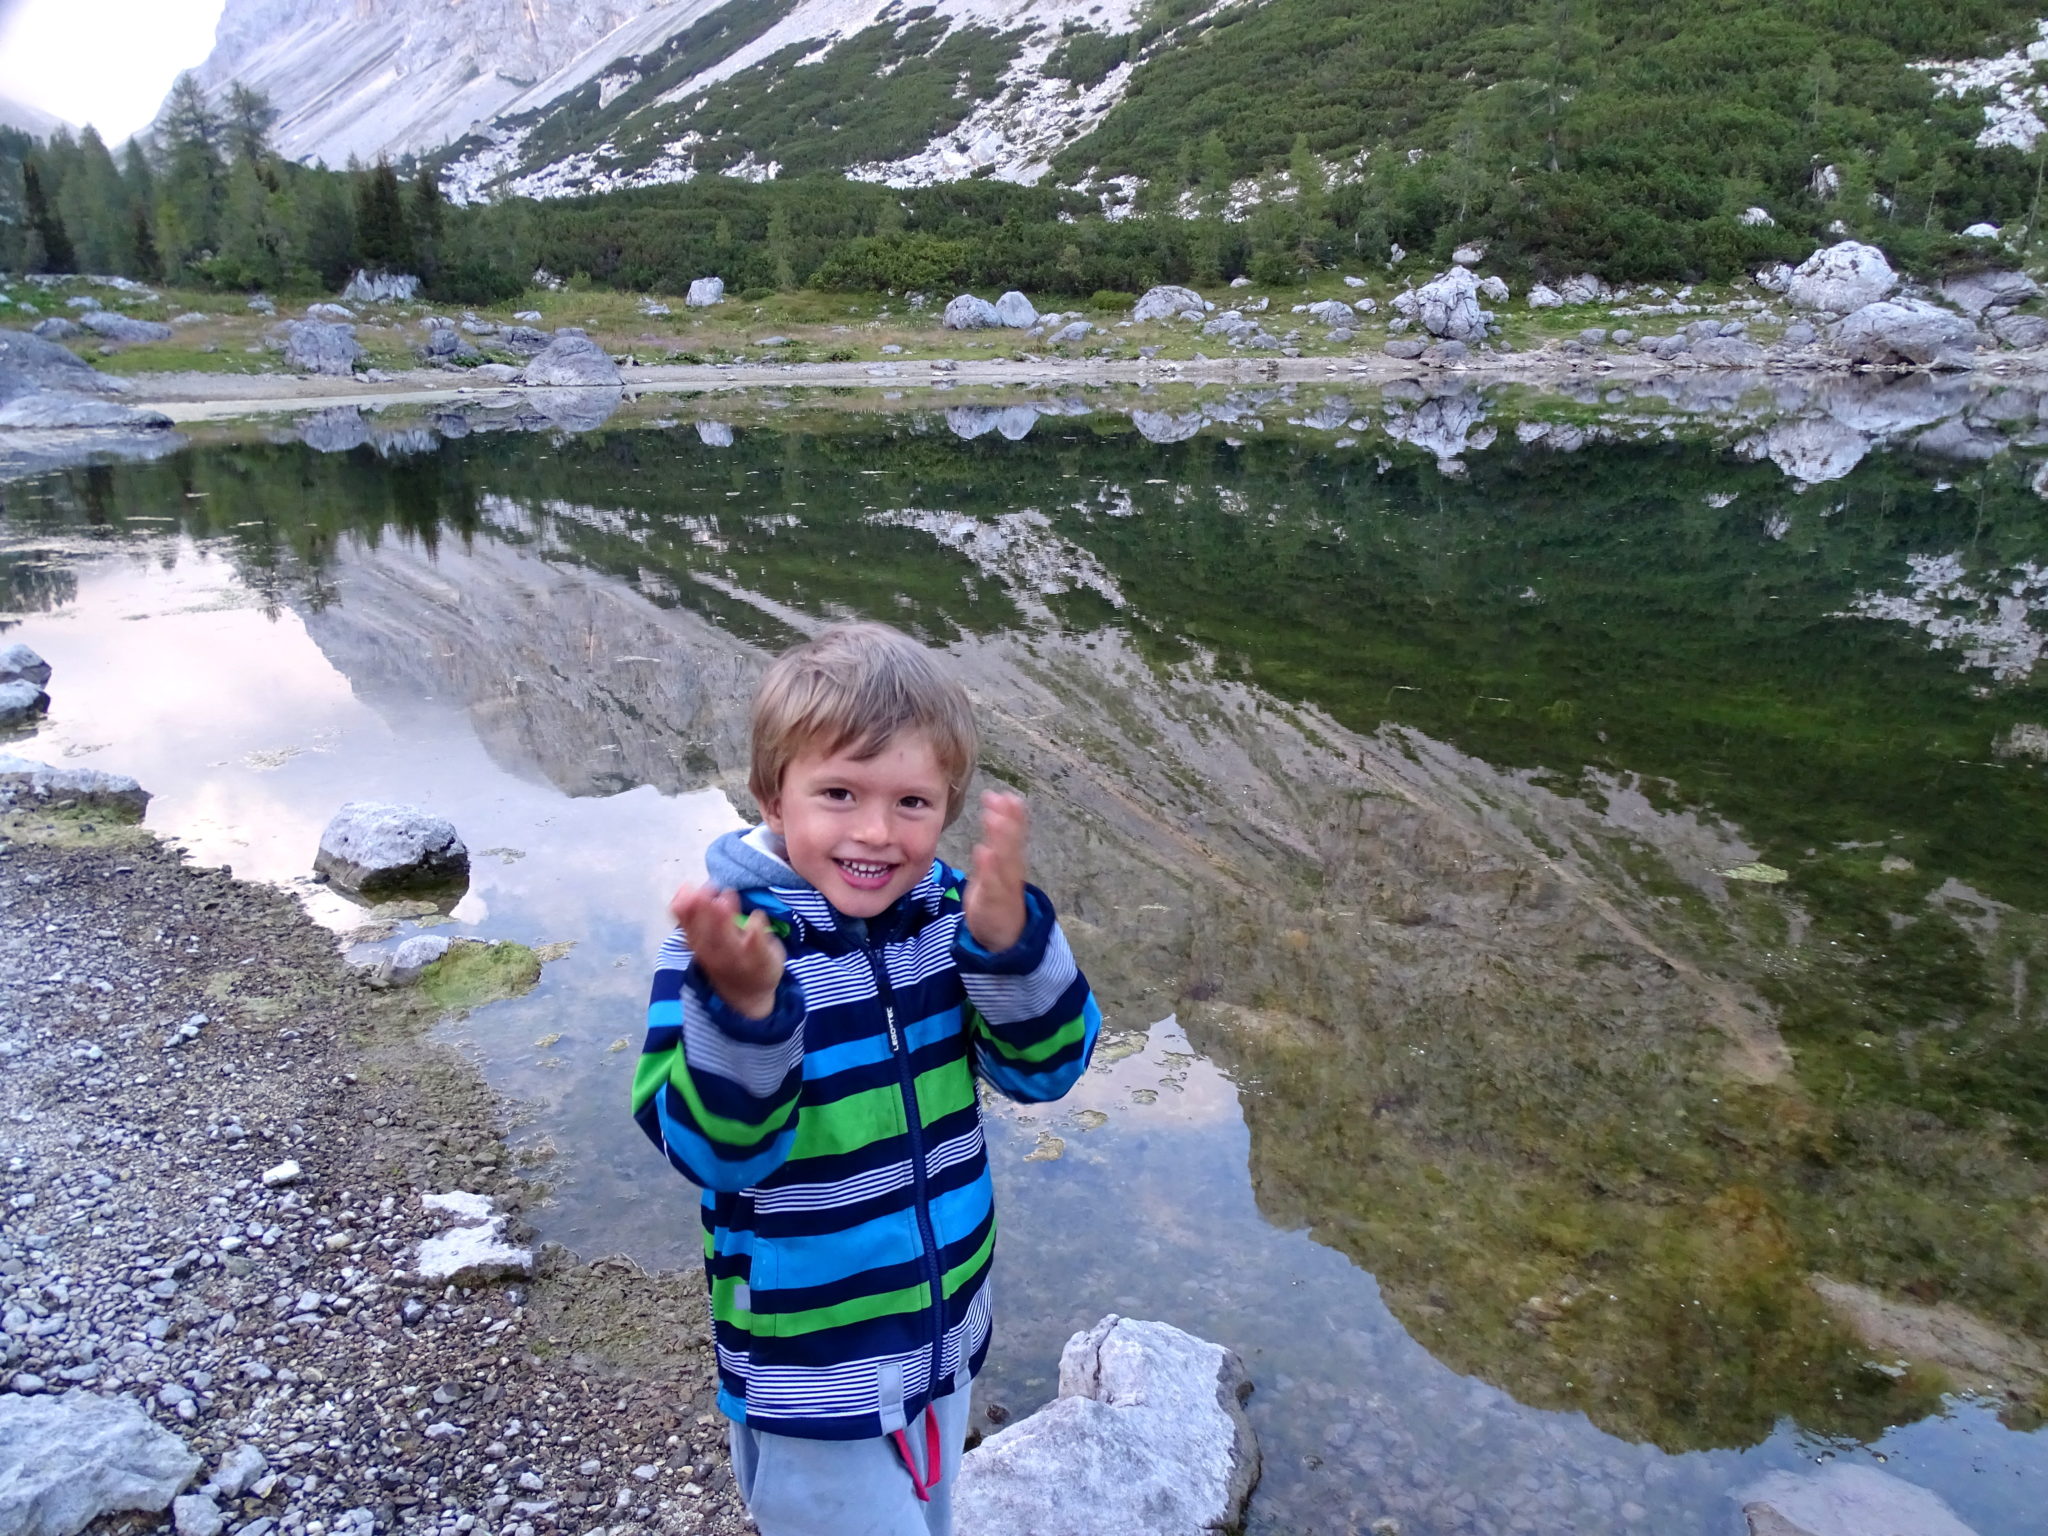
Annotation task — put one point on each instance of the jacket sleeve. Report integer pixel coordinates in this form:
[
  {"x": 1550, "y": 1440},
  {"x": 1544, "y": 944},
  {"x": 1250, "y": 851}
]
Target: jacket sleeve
[
  {"x": 716, "y": 1091},
  {"x": 1032, "y": 1017}
]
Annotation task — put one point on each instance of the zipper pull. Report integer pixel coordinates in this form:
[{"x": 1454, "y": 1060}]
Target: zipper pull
[{"x": 889, "y": 1017}]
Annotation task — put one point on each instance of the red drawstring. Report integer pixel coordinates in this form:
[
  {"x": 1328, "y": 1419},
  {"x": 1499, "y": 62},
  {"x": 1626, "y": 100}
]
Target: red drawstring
[{"x": 923, "y": 1486}]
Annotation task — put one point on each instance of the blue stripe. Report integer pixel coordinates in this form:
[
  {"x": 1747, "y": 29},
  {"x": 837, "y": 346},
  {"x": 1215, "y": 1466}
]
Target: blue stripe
[
  {"x": 700, "y": 1159},
  {"x": 665, "y": 1013},
  {"x": 844, "y": 1058},
  {"x": 938, "y": 1027}
]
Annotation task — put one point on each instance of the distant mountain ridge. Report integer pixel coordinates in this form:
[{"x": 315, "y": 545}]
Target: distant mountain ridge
[{"x": 33, "y": 121}]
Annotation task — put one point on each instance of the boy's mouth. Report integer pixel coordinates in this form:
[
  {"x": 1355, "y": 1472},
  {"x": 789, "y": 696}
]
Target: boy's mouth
[{"x": 864, "y": 875}]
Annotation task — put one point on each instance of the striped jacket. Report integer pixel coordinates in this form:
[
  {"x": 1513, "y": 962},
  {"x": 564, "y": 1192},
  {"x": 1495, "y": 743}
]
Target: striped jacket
[{"x": 848, "y": 1213}]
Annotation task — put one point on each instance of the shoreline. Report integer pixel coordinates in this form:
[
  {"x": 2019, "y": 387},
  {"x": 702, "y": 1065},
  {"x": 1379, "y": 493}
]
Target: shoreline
[
  {"x": 204, "y": 397},
  {"x": 144, "y": 1255}
]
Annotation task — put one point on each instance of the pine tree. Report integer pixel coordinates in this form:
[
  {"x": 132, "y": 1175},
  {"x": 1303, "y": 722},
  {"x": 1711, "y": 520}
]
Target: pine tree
[
  {"x": 193, "y": 177},
  {"x": 327, "y": 230},
  {"x": 254, "y": 240},
  {"x": 248, "y": 121},
  {"x": 143, "y": 260},
  {"x": 53, "y": 245},
  {"x": 778, "y": 243},
  {"x": 426, "y": 216},
  {"x": 383, "y": 237},
  {"x": 93, "y": 203}
]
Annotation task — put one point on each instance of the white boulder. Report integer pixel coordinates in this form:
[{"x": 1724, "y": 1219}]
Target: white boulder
[
  {"x": 475, "y": 1250},
  {"x": 1493, "y": 289},
  {"x": 1815, "y": 450},
  {"x": 66, "y": 1461},
  {"x": 372, "y": 847},
  {"x": 381, "y": 288},
  {"x": 714, "y": 434},
  {"x": 1584, "y": 289},
  {"x": 1148, "y": 1437},
  {"x": 321, "y": 346},
  {"x": 1015, "y": 311},
  {"x": 705, "y": 292},
  {"x": 1905, "y": 331},
  {"x": 1841, "y": 278},
  {"x": 1448, "y": 306},
  {"x": 1756, "y": 218},
  {"x": 18, "y": 663},
  {"x": 1844, "y": 1499},
  {"x": 968, "y": 313},
  {"x": 409, "y": 961},
  {"x": 573, "y": 362},
  {"x": 1165, "y": 301},
  {"x": 1543, "y": 296}
]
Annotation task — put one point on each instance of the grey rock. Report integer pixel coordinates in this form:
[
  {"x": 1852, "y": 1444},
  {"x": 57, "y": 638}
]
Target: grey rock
[
  {"x": 1728, "y": 352},
  {"x": 2022, "y": 332},
  {"x": 1015, "y": 311},
  {"x": 446, "y": 343},
  {"x": 1841, "y": 278},
  {"x": 714, "y": 434},
  {"x": 407, "y": 963},
  {"x": 329, "y": 312},
  {"x": 56, "y": 328},
  {"x": 1957, "y": 439},
  {"x": 1148, "y": 1437},
  {"x": 1493, "y": 289},
  {"x": 574, "y": 362},
  {"x": 1800, "y": 333},
  {"x": 576, "y": 409},
  {"x": 237, "y": 1470},
  {"x": 335, "y": 431},
  {"x": 64, "y": 412},
  {"x": 1844, "y": 1499},
  {"x": 66, "y": 1461},
  {"x": 1583, "y": 289},
  {"x": 1445, "y": 353},
  {"x": 115, "y": 327},
  {"x": 372, "y": 847},
  {"x": 1816, "y": 450},
  {"x": 17, "y": 664},
  {"x": 1406, "y": 349},
  {"x": 524, "y": 340},
  {"x": 29, "y": 365},
  {"x": 194, "y": 1514},
  {"x": 1622, "y": 336},
  {"x": 382, "y": 288},
  {"x": 1594, "y": 335},
  {"x": 114, "y": 793},
  {"x": 1331, "y": 312},
  {"x": 968, "y": 313},
  {"x": 1975, "y": 292},
  {"x": 474, "y": 1251},
  {"x": 1543, "y": 296},
  {"x": 1165, "y": 301},
  {"x": 21, "y": 702},
  {"x": 1448, "y": 307},
  {"x": 705, "y": 292},
  {"x": 321, "y": 346},
  {"x": 1066, "y": 335},
  {"x": 1905, "y": 331}
]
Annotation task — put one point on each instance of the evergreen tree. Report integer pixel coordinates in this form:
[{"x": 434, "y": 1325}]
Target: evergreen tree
[
  {"x": 136, "y": 173},
  {"x": 383, "y": 236},
  {"x": 93, "y": 203},
  {"x": 327, "y": 229},
  {"x": 255, "y": 237},
  {"x": 247, "y": 124},
  {"x": 14, "y": 148},
  {"x": 778, "y": 244},
  {"x": 426, "y": 214},
  {"x": 143, "y": 259},
  {"x": 192, "y": 177},
  {"x": 51, "y": 249}
]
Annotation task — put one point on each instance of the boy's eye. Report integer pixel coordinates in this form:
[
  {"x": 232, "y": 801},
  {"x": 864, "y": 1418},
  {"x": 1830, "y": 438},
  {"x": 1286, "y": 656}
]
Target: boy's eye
[
  {"x": 837, "y": 792},
  {"x": 914, "y": 802}
]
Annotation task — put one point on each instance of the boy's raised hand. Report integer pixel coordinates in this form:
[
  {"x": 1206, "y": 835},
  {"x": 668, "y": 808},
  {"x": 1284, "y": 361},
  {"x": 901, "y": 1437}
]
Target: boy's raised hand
[
  {"x": 994, "y": 904},
  {"x": 743, "y": 962}
]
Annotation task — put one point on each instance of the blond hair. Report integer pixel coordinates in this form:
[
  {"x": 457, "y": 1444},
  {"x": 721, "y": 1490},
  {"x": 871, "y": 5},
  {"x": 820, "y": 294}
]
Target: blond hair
[{"x": 857, "y": 687}]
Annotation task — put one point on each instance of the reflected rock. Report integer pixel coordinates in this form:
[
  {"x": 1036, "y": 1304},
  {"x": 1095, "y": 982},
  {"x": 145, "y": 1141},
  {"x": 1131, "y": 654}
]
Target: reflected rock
[
  {"x": 335, "y": 431},
  {"x": 1445, "y": 425},
  {"x": 1844, "y": 1499},
  {"x": 1167, "y": 426},
  {"x": 575, "y": 410},
  {"x": 1816, "y": 450},
  {"x": 403, "y": 442},
  {"x": 1881, "y": 406},
  {"x": 451, "y": 424},
  {"x": 1331, "y": 415},
  {"x": 714, "y": 434},
  {"x": 1011, "y": 421},
  {"x": 1016, "y": 421},
  {"x": 1957, "y": 439}
]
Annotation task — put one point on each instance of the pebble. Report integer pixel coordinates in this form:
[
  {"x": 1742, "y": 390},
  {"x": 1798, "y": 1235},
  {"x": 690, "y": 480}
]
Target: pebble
[{"x": 284, "y": 1173}]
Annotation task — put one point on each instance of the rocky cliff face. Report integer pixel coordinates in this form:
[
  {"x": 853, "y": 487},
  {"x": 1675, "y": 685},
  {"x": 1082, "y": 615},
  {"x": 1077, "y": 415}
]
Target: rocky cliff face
[{"x": 384, "y": 77}]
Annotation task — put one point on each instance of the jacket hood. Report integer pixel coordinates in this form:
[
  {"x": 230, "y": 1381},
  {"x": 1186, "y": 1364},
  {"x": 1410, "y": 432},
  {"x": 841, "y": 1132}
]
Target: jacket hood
[{"x": 751, "y": 859}]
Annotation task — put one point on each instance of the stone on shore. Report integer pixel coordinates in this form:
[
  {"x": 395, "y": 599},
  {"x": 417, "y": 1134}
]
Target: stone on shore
[
  {"x": 574, "y": 362},
  {"x": 321, "y": 346},
  {"x": 1975, "y": 292},
  {"x": 1015, "y": 311},
  {"x": 85, "y": 788},
  {"x": 1906, "y": 331},
  {"x": 1448, "y": 306},
  {"x": 524, "y": 340},
  {"x": 475, "y": 1250},
  {"x": 2022, "y": 332},
  {"x": 1166, "y": 301},
  {"x": 967, "y": 313},
  {"x": 51, "y": 412},
  {"x": 18, "y": 663},
  {"x": 116, "y": 327},
  {"x": 21, "y": 701},
  {"x": 1841, "y": 278},
  {"x": 1843, "y": 1499},
  {"x": 1148, "y": 1437},
  {"x": 237, "y": 1470},
  {"x": 705, "y": 292},
  {"x": 195, "y": 1514},
  {"x": 409, "y": 961},
  {"x": 30, "y": 365},
  {"x": 372, "y": 847},
  {"x": 66, "y": 1461},
  {"x": 55, "y": 328}
]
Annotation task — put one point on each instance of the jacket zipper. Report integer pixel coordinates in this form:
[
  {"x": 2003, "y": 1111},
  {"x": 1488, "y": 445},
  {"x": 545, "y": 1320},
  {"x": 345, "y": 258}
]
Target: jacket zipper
[{"x": 906, "y": 1084}]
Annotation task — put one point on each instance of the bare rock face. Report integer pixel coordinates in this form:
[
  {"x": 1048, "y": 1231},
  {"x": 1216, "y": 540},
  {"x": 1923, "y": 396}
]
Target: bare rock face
[
  {"x": 1906, "y": 331},
  {"x": 321, "y": 346},
  {"x": 30, "y": 365},
  {"x": 66, "y": 1461},
  {"x": 1841, "y": 278},
  {"x": 372, "y": 847},
  {"x": 968, "y": 313},
  {"x": 1975, "y": 292},
  {"x": 705, "y": 292},
  {"x": 574, "y": 362},
  {"x": 1166, "y": 301},
  {"x": 1148, "y": 1437}
]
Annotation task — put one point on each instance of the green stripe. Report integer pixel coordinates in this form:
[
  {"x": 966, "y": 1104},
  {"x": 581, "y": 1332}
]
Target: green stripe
[
  {"x": 1067, "y": 1034},
  {"x": 716, "y": 1128},
  {"x": 972, "y": 1265},
  {"x": 912, "y": 1298},
  {"x": 651, "y": 1073},
  {"x": 944, "y": 1090},
  {"x": 849, "y": 1124}
]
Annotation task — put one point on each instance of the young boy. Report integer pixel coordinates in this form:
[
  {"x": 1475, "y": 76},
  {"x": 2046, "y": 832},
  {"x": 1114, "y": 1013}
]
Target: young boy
[{"x": 816, "y": 1029}]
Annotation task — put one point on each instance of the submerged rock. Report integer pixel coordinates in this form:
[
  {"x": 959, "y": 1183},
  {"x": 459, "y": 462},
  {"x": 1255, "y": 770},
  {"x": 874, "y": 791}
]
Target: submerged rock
[
  {"x": 1148, "y": 1437},
  {"x": 1843, "y": 1499},
  {"x": 20, "y": 702},
  {"x": 373, "y": 847},
  {"x": 66, "y": 1461}
]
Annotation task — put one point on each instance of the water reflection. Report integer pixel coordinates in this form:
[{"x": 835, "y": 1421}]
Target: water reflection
[{"x": 1410, "y": 796}]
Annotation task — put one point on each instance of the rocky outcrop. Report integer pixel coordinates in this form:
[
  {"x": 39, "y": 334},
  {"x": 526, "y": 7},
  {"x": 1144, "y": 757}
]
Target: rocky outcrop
[
  {"x": 59, "y": 412},
  {"x": 575, "y": 362},
  {"x": 1148, "y": 1437},
  {"x": 1905, "y": 331},
  {"x": 1844, "y": 1499},
  {"x": 1975, "y": 292},
  {"x": 1841, "y": 278},
  {"x": 1167, "y": 301},
  {"x": 30, "y": 365},
  {"x": 107, "y": 324},
  {"x": 321, "y": 346},
  {"x": 66, "y": 1461},
  {"x": 1448, "y": 306},
  {"x": 965, "y": 312},
  {"x": 381, "y": 288},
  {"x": 705, "y": 292},
  {"x": 26, "y": 782},
  {"x": 374, "y": 848},
  {"x": 19, "y": 663}
]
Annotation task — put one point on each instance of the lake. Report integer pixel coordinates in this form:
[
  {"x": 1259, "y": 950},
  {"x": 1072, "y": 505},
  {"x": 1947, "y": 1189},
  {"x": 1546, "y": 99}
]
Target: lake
[{"x": 1563, "y": 872}]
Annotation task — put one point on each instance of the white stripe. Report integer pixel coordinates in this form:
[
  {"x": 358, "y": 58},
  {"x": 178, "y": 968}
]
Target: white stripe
[
  {"x": 847, "y": 1191},
  {"x": 759, "y": 1069},
  {"x": 1013, "y": 999}
]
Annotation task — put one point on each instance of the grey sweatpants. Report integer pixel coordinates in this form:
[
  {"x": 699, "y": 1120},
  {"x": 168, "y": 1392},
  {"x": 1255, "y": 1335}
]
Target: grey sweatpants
[{"x": 848, "y": 1487}]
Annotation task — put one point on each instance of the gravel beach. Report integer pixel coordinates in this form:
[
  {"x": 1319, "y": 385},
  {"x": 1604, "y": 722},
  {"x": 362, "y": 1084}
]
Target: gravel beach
[{"x": 172, "y": 1035}]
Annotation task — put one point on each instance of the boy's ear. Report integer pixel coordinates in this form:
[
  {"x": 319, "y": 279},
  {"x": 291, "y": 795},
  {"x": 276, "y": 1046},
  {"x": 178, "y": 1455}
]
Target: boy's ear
[{"x": 771, "y": 814}]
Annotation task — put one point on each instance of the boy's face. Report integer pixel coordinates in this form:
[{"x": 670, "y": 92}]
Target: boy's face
[{"x": 862, "y": 832}]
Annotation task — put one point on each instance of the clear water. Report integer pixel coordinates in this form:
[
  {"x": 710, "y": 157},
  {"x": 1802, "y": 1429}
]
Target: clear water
[{"x": 1389, "y": 755}]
